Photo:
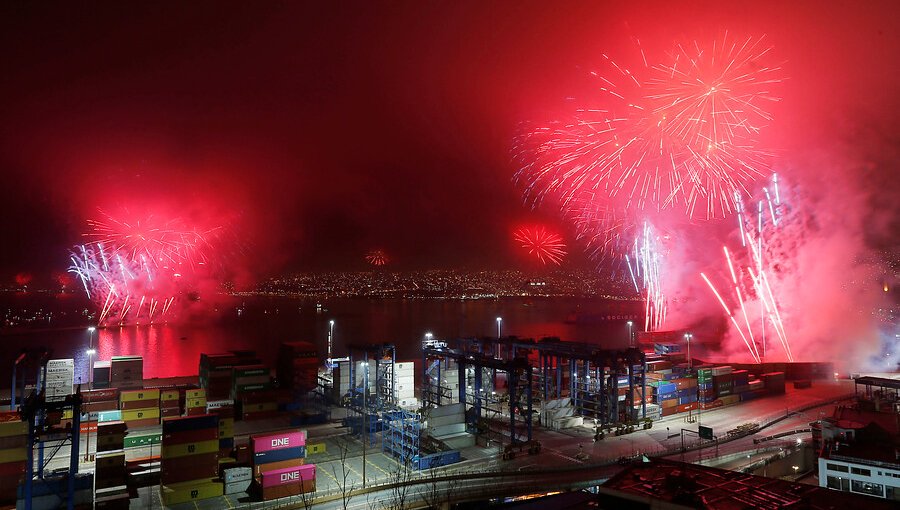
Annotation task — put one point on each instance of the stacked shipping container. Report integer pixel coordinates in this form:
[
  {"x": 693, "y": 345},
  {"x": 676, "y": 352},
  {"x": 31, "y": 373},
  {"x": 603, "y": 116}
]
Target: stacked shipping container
[
  {"x": 190, "y": 459},
  {"x": 140, "y": 408},
  {"x": 13, "y": 453},
  {"x": 126, "y": 372}
]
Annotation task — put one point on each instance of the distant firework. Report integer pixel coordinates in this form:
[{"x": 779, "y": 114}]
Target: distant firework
[
  {"x": 377, "y": 258},
  {"x": 135, "y": 267},
  {"x": 545, "y": 245},
  {"x": 681, "y": 134}
]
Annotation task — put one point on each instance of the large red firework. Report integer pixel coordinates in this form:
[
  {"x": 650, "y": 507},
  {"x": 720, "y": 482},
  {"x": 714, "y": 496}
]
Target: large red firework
[
  {"x": 681, "y": 134},
  {"x": 540, "y": 242}
]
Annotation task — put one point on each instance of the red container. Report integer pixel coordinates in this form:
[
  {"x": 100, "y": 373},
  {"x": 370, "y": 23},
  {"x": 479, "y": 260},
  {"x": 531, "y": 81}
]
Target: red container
[
  {"x": 112, "y": 428},
  {"x": 190, "y": 436},
  {"x": 104, "y": 394},
  {"x": 12, "y": 470},
  {"x": 189, "y": 467},
  {"x": 277, "y": 440},
  {"x": 102, "y": 405},
  {"x": 289, "y": 476},
  {"x": 259, "y": 469},
  {"x": 195, "y": 411}
]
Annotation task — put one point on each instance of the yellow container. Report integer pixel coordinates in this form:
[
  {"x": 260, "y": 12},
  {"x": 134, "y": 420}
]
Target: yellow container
[
  {"x": 13, "y": 455},
  {"x": 13, "y": 428},
  {"x": 182, "y": 450},
  {"x": 314, "y": 448},
  {"x": 67, "y": 414},
  {"x": 168, "y": 395},
  {"x": 137, "y": 395},
  {"x": 140, "y": 414},
  {"x": 199, "y": 393},
  {"x": 226, "y": 427},
  {"x": 226, "y": 460},
  {"x": 190, "y": 491},
  {"x": 195, "y": 402}
]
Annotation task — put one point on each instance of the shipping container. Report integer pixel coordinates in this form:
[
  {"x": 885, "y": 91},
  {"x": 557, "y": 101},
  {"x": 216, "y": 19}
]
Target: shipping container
[
  {"x": 190, "y": 491},
  {"x": 190, "y": 423},
  {"x": 183, "y": 449},
  {"x": 290, "y": 475}
]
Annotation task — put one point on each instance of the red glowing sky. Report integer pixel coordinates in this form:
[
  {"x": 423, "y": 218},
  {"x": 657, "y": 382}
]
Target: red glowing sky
[{"x": 323, "y": 130}]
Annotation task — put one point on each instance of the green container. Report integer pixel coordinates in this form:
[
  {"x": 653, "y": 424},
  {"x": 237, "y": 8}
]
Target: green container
[{"x": 142, "y": 440}]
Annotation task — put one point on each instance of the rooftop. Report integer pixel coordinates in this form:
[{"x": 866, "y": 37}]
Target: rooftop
[{"x": 683, "y": 485}]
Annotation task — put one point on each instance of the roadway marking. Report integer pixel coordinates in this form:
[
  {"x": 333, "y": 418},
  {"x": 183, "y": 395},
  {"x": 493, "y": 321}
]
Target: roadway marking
[
  {"x": 561, "y": 455},
  {"x": 369, "y": 462}
]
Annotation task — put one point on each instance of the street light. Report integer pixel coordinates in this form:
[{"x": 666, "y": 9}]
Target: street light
[
  {"x": 90, "y": 352},
  {"x": 688, "y": 336},
  {"x": 330, "y": 339},
  {"x": 499, "y": 323},
  {"x": 630, "y": 336}
]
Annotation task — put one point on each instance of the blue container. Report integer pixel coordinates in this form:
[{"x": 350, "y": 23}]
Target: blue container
[
  {"x": 105, "y": 416},
  {"x": 226, "y": 443},
  {"x": 666, "y": 388},
  {"x": 298, "y": 452},
  {"x": 667, "y": 396},
  {"x": 705, "y": 386},
  {"x": 687, "y": 392},
  {"x": 204, "y": 421},
  {"x": 687, "y": 400}
]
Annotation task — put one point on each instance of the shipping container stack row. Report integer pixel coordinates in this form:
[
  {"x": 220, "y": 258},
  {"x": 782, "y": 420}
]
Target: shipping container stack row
[
  {"x": 298, "y": 367},
  {"x": 279, "y": 467},
  {"x": 111, "y": 480},
  {"x": 298, "y": 374},
  {"x": 216, "y": 372},
  {"x": 140, "y": 408},
  {"x": 195, "y": 402},
  {"x": 13, "y": 454},
  {"x": 110, "y": 466},
  {"x": 238, "y": 376},
  {"x": 190, "y": 459},
  {"x": 126, "y": 372}
]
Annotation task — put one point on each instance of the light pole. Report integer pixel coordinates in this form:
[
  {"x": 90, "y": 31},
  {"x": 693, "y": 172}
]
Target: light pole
[
  {"x": 687, "y": 337},
  {"x": 630, "y": 335},
  {"x": 499, "y": 324},
  {"x": 90, "y": 353},
  {"x": 428, "y": 337},
  {"x": 87, "y": 446},
  {"x": 330, "y": 340}
]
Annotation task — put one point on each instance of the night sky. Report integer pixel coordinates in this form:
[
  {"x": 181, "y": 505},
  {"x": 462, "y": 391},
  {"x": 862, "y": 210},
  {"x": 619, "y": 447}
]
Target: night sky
[{"x": 322, "y": 130}]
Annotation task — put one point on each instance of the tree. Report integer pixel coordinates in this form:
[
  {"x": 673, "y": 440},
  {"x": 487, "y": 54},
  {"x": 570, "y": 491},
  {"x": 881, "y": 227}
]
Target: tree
[
  {"x": 400, "y": 476},
  {"x": 345, "y": 483}
]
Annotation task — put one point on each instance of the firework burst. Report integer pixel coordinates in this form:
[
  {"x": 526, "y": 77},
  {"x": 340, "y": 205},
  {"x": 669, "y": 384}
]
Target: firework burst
[
  {"x": 679, "y": 134},
  {"x": 377, "y": 258},
  {"x": 134, "y": 268},
  {"x": 538, "y": 241}
]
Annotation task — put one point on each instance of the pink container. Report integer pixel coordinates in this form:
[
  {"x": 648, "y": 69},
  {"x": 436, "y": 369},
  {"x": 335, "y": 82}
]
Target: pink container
[
  {"x": 278, "y": 441},
  {"x": 291, "y": 475}
]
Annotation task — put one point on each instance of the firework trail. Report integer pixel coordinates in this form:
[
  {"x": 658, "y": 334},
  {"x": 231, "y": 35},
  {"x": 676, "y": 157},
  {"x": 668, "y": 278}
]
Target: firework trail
[
  {"x": 377, "y": 258},
  {"x": 543, "y": 244},
  {"x": 645, "y": 270},
  {"x": 141, "y": 261},
  {"x": 752, "y": 281}
]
